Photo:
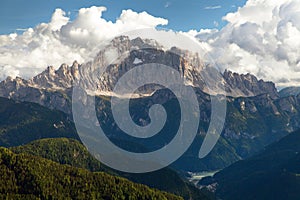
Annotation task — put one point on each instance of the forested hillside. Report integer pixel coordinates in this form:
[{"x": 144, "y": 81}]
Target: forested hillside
[
  {"x": 25, "y": 176},
  {"x": 72, "y": 152}
]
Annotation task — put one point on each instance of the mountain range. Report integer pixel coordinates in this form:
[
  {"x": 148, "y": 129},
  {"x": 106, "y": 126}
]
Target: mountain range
[
  {"x": 52, "y": 88},
  {"x": 257, "y": 116},
  {"x": 256, "y": 113}
]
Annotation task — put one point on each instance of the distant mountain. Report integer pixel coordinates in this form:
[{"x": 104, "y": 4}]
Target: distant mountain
[
  {"x": 257, "y": 116},
  {"x": 289, "y": 91},
  {"x": 52, "y": 88},
  {"x": 240, "y": 138},
  {"x": 271, "y": 174},
  {"x": 72, "y": 152},
  {"x": 23, "y": 122},
  {"x": 251, "y": 124},
  {"x": 30, "y": 177},
  {"x": 249, "y": 85}
]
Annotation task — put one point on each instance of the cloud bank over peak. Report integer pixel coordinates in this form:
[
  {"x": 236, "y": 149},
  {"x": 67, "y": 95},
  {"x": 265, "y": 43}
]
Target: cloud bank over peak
[
  {"x": 263, "y": 38},
  {"x": 63, "y": 41}
]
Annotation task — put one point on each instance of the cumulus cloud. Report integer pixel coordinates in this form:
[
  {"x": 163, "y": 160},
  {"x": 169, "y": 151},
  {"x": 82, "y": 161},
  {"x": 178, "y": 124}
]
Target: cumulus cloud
[
  {"x": 212, "y": 7},
  {"x": 263, "y": 38},
  {"x": 63, "y": 41}
]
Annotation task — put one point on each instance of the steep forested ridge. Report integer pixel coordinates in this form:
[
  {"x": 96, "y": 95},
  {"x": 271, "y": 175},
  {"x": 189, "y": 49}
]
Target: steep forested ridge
[
  {"x": 32, "y": 177},
  {"x": 23, "y": 122},
  {"x": 72, "y": 152},
  {"x": 271, "y": 174}
]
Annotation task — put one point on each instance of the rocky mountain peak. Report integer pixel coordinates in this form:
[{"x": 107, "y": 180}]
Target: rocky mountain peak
[
  {"x": 248, "y": 84},
  {"x": 64, "y": 71},
  {"x": 18, "y": 81},
  {"x": 61, "y": 78},
  {"x": 75, "y": 69},
  {"x": 145, "y": 43},
  {"x": 122, "y": 44},
  {"x": 51, "y": 70},
  {"x": 8, "y": 79}
]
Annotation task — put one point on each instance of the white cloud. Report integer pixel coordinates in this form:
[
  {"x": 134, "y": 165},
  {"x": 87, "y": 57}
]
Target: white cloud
[
  {"x": 58, "y": 20},
  {"x": 8, "y": 70},
  {"x": 168, "y": 4},
  {"x": 263, "y": 38},
  {"x": 212, "y": 7},
  {"x": 63, "y": 41},
  {"x": 216, "y": 24}
]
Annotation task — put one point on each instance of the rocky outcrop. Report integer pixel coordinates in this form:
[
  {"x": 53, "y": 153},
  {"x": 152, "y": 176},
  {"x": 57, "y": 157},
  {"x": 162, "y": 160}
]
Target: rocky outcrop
[
  {"x": 56, "y": 79},
  {"x": 289, "y": 91},
  {"x": 248, "y": 85},
  {"x": 23, "y": 90}
]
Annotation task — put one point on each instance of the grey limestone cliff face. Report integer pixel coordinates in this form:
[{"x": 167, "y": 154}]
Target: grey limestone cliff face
[
  {"x": 22, "y": 90},
  {"x": 53, "y": 88},
  {"x": 289, "y": 91},
  {"x": 248, "y": 85},
  {"x": 56, "y": 79}
]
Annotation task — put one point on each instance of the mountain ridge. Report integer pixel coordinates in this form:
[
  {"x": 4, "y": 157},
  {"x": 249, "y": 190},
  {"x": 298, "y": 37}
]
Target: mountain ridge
[
  {"x": 273, "y": 116},
  {"x": 72, "y": 152},
  {"x": 126, "y": 51},
  {"x": 32, "y": 177},
  {"x": 270, "y": 174}
]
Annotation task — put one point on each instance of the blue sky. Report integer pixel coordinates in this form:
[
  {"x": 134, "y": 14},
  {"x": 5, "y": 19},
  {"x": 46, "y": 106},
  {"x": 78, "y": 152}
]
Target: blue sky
[{"x": 182, "y": 15}]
